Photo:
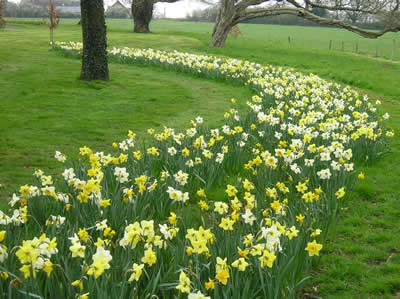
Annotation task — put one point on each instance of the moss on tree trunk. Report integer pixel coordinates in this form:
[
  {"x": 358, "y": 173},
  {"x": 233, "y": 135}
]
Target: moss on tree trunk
[{"x": 94, "y": 56}]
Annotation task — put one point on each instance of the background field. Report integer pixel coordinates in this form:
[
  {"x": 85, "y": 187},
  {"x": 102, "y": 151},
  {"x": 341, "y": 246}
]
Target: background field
[
  {"x": 43, "y": 108},
  {"x": 311, "y": 38}
]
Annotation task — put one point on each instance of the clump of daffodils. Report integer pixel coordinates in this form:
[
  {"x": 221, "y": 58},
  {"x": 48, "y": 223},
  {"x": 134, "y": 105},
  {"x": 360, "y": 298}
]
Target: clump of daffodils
[{"x": 34, "y": 255}]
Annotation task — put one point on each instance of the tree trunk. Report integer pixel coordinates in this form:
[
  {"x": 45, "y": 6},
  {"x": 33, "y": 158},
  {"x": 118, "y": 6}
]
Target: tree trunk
[
  {"x": 225, "y": 21},
  {"x": 220, "y": 34},
  {"x": 94, "y": 57},
  {"x": 2, "y": 9},
  {"x": 142, "y": 12}
]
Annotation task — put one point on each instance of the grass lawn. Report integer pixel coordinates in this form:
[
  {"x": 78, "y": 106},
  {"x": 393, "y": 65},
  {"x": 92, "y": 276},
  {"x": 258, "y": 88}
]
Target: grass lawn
[
  {"x": 307, "y": 38},
  {"x": 44, "y": 107}
]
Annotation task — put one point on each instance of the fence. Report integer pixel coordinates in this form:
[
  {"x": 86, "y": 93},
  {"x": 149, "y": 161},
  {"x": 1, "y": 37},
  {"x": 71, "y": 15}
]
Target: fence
[{"x": 389, "y": 49}]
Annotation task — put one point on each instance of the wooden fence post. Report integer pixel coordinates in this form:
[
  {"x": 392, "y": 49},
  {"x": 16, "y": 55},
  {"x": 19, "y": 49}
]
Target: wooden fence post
[
  {"x": 393, "y": 48},
  {"x": 330, "y": 45}
]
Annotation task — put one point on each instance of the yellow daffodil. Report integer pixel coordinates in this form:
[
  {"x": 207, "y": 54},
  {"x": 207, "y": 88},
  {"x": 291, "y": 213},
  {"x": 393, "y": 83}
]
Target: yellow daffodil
[
  {"x": 240, "y": 264},
  {"x": 267, "y": 259},
  {"x": 184, "y": 283},
  {"x": 149, "y": 257},
  {"x": 137, "y": 271},
  {"x": 209, "y": 285},
  {"x": 222, "y": 276},
  {"x": 313, "y": 248}
]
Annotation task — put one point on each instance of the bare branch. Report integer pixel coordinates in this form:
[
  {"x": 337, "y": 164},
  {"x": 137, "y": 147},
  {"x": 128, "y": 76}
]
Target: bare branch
[
  {"x": 296, "y": 4},
  {"x": 255, "y": 13},
  {"x": 369, "y": 8},
  {"x": 165, "y": 1},
  {"x": 243, "y": 4}
]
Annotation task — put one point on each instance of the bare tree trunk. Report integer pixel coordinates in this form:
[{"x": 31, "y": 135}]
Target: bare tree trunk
[
  {"x": 220, "y": 34},
  {"x": 3, "y": 4},
  {"x": 224, "y": 23},
  {"x": 94, "y": 57},
  {"x": 142, "y": 12}
]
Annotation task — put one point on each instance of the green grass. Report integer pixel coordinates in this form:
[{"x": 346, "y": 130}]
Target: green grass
[
  {"x": 307, "y": 38},
  {"x": 44, "y": 107}
]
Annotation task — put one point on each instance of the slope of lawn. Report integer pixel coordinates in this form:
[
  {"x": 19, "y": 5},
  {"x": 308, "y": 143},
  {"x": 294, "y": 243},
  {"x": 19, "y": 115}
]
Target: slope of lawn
[{"x": 44, "y": 108}]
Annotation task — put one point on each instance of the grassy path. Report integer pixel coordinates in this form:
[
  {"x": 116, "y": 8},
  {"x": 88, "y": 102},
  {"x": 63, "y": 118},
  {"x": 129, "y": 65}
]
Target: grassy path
[
  {"x": 42, "y": 102},
  {"x": 44, "y": 107}
]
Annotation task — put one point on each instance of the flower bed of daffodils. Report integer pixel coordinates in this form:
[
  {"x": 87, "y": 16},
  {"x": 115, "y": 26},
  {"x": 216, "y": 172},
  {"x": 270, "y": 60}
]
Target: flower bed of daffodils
[{"x": 238, "y": 211}]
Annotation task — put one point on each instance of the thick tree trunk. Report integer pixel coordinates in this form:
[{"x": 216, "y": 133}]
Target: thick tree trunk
[
  {"x": 220, "y": 34},
  {"x": 94, "y": 57},
  {"x": 226, "y": 19},
  {"x": 142, "y": 12},
  {"x": 2, "y": 9}
]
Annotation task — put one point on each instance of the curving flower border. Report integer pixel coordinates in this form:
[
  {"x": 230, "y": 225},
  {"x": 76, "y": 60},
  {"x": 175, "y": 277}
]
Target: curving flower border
[{"x": 120, "y": 223}]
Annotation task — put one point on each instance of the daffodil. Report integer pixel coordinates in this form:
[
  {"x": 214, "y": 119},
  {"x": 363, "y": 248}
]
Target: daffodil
[
  {"x": 149, "y": 257},
  {"x": 313, "y": 248},
  {"x": 340, "y": 193},
  {"x": 27, "y": 253},
  {"x": 209, "y": 285},
  {"x": 267, "y": 259},
  {"x": 100, "y": 263},
  {"x": 78, "y": 284},
  {"x": 222, "y": 276},
  {"x": 48, "y": 267},
  {"x": 231, "y": 190},
  {"x": 137, "y": 271},
  {"x": 2, "y": 235},
  {"x": 226, "y": 224},
  {"x": 184, "y": 283},
  {"x": 198, "y": 295},
  {"x": 240, "y": 264}
]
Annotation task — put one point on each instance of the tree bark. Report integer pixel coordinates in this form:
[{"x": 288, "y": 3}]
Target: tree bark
[
  {"x": 220, "y": 33},
  {"x": 3, "y": 4},
  {"x": 94, "y": 57},
  {"x": 142, "y": 12},
  {"x": 226, "y": 19}
]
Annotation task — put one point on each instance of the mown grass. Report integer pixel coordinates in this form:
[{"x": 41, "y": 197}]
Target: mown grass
[
  {"x": 307, "y": 38},
  {"x": 45, "y": 108}
]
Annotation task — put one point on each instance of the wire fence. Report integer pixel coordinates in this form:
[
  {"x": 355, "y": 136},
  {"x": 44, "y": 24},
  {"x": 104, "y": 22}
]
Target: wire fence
[{"x": 388, "y": 49}]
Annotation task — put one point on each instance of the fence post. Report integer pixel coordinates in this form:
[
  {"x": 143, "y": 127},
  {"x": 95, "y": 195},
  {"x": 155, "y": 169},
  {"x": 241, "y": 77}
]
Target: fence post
[
  {"x": 376, "y": 51},
  {"x": 393, "y": 48},
  {"x": 342, "y": 46},
  {"x": 289, "y": 39},
  {"x": 330, "y": 45},
  {"x": 356, "y": 47}
]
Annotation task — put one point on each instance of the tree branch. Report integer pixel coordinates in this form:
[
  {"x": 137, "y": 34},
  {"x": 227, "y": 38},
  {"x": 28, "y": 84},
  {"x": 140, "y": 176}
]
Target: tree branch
[
  {"x": 263, "y": 12},
  {"x": 165, "y": 1},
  {"x": 243, "y": 4},
  {"x": 296, "y": 4},
  {"x": 348, "y": 7}
]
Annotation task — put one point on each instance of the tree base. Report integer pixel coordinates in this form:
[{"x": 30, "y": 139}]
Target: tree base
[{"x": 142, "y": 13}]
